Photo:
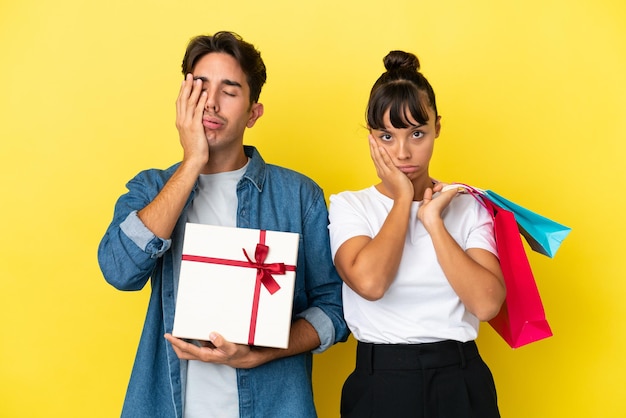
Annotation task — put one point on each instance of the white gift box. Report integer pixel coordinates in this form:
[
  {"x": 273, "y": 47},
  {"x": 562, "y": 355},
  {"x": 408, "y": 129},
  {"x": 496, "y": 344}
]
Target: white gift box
[{"x": 245, "y": 299}]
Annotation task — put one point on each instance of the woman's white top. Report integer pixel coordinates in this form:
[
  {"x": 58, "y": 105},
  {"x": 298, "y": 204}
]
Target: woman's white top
[{"x": 420, "y": 306}]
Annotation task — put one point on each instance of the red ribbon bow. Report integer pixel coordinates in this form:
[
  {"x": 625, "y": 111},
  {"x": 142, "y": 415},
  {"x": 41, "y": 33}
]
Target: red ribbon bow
[{"x": 264, "y": 271}]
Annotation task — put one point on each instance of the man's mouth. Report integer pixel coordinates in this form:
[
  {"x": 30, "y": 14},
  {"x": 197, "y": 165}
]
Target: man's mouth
[{"x": 212, "y": 122}]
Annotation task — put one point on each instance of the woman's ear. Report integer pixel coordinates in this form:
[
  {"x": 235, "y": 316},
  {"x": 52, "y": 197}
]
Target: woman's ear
[{"x": 437, "y": 126}]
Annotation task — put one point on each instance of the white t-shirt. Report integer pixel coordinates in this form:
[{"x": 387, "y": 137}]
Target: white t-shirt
[
  {"x": 420, "y": 306},
  {"x": 211, "y": 389}
]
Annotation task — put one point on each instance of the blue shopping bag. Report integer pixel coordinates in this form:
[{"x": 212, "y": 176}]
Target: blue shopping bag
[{"x": 542, "y": 234}]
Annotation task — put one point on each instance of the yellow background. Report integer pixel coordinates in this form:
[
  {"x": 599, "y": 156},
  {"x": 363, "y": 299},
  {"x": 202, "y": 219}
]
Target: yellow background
[{"x": 533, "y": 100}]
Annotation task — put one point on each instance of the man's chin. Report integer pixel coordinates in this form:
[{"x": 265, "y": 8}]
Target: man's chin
[{"x": 211, "y": 135}]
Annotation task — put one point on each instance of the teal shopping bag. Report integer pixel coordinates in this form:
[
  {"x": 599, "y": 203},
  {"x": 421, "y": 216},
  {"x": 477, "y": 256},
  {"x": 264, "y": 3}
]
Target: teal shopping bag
[{"x": 542, "y": 234}]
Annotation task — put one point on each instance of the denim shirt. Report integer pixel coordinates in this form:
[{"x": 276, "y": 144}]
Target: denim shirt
[{"x": 271, "y": 198}]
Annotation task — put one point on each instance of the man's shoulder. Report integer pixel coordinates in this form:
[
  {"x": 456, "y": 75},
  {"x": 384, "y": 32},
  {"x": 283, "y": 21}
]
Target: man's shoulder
[
  {"x": 363, "y": 195},
  {"x": 156, "y": 177},
  {"x": 157, "y": 173},
  {"x": 290, "y": 176},
  {"x": 289, "y": 172}
]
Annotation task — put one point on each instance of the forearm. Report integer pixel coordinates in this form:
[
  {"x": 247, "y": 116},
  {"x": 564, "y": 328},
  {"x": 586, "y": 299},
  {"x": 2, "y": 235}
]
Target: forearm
[
  {"x": 160, "y": 215},
  {"x": 302, "y": 338},
  {"x": 476, "y": 280},
  {"x": 369, "y": 266}
]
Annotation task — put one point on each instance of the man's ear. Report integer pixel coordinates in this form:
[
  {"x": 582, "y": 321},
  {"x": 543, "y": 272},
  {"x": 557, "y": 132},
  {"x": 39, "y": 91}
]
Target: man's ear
[{"x": 256, "y": 112}]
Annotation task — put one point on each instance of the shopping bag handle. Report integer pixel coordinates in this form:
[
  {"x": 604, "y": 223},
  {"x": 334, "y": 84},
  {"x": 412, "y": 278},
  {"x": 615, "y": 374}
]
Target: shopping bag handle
[{"x": 478, "y": 194}]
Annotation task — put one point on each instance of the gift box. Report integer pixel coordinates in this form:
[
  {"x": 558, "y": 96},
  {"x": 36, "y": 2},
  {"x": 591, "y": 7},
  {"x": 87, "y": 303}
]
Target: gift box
[{"x": 238, "y": 282}]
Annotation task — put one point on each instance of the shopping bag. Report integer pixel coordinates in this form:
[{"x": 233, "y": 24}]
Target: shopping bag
[
  {"x": 542, "y": 234},
  {"x": 521, "y": 319}
]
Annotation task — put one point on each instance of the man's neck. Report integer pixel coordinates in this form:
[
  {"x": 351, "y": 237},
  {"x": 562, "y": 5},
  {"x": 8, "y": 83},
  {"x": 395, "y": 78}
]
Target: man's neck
[{"x": 223, "y": 161}]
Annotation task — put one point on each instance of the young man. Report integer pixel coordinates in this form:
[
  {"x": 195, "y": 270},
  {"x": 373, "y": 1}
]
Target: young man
[{"x": 222, "y": 182}]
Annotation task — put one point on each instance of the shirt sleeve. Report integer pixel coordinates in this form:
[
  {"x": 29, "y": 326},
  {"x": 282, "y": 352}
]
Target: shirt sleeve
[
  {"x": 481, "y": 234},
  {"x": 345, "y": 221},
  {"x": 129, "y": 251},
  {"x": 323, "y": 284},
  {"x": 323, "y": 326},
  {"x": 138, "y": 233}
]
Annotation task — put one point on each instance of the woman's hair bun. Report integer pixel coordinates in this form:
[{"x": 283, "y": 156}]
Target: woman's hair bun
[{"x": 400, "y": 60}]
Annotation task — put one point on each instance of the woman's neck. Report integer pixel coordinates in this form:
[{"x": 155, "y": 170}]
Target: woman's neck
[{"x": 420, "y": 186}]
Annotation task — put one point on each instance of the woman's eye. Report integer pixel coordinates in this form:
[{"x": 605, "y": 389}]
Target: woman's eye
[
  {"x": 418, "y": 134},
  {"x": 385, "y": 137}
]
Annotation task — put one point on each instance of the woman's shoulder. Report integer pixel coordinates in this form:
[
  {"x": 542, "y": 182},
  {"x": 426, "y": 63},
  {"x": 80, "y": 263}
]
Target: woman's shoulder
[
  {"x": 465, "y": 205},
  {"x": 362, "y": 195},
  {"x": 465, "y": 200}
]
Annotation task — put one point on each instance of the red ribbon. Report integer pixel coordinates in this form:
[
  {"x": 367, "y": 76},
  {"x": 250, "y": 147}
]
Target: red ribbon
[{"x": 263, "y": 275}]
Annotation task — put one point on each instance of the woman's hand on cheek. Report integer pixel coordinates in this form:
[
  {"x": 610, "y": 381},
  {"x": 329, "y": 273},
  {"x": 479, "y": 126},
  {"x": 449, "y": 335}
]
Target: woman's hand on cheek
[{"x": 396, "y": 183}]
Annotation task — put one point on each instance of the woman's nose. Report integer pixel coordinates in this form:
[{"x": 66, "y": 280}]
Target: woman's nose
[{"x": 403, "y": 151}]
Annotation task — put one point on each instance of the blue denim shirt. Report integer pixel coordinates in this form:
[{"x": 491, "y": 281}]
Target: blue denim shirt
[{"x": 271, "y": 198}]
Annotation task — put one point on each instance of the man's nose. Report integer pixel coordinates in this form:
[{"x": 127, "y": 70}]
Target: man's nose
[{"x": 211, "y": 102}]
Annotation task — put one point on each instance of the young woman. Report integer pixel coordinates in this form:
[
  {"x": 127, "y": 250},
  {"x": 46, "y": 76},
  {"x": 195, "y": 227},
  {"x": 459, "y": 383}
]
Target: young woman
[{"x": 419, "y": 266}]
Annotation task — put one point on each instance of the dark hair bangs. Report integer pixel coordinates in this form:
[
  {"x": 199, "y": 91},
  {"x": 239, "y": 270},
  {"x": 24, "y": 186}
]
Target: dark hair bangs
[{"x": 405, "y": 103}]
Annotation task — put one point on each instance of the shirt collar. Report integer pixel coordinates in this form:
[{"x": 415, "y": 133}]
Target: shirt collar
[{"x": 256, "y": 167}]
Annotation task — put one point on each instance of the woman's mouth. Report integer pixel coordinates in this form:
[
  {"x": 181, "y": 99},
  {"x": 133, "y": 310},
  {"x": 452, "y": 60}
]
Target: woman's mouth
[{"x": 407, "y": 169}]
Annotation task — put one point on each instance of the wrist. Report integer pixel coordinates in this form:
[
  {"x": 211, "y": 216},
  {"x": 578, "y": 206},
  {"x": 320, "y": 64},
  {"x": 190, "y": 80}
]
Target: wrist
[
  {"x": 262, "y": 355},
  {"x": 403, "y": 199},
  {"x": 193, "y": 165},
  {"x": 434, "y": 225}
]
